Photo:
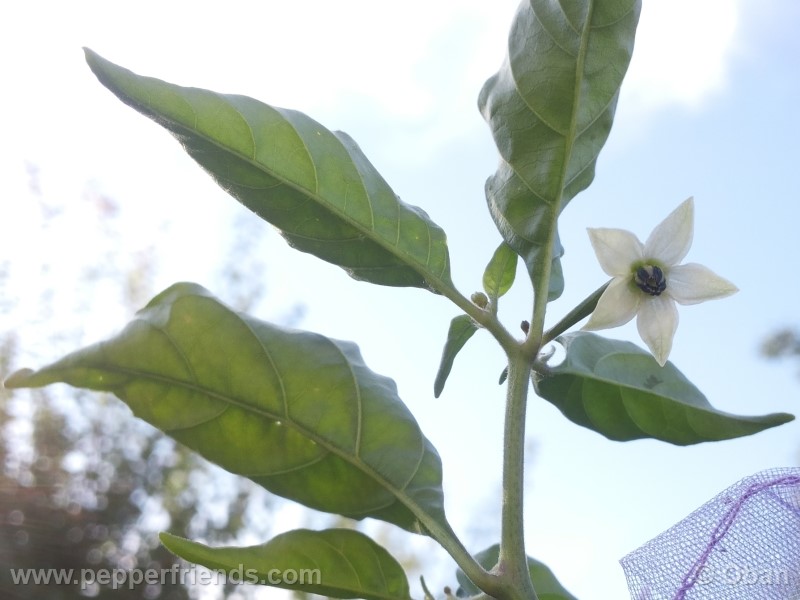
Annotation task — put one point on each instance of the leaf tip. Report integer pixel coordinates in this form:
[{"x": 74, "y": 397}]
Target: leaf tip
[
  {"x": 165, "y": 536},
  {"x": 90, "y": 55},
  {"x": 18, "y": 379},
  {"x": 783, "y": 418},
  {"x": 170, "y": 541}
]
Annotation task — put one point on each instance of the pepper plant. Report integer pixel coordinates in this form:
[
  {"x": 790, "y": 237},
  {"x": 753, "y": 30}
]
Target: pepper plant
[{"x": 305, "y": 417}]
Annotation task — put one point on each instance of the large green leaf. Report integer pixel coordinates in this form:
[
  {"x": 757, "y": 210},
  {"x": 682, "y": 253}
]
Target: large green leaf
[
  {"x": 617, "y": 389},
  {"x": 461, "y": 329},
  {"x": 339, "y": 563},
  {"x": 544, "y": 582},
  {"x": 314, "y": 185},
  {"x": 550, "y": 109},
  {"x": 296, "y": 412}
]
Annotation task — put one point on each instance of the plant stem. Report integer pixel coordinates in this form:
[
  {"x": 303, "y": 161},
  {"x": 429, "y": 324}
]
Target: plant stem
[
  {"x": 513, "y": 562},
  {"x": 485, "y": 318},
  {"x": 541, "y": 284},
  {"x": 580, "y": 312},
  {"x": 447, "y": 539}
]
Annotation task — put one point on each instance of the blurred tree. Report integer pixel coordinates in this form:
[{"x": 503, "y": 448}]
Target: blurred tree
[
  {"x": 84, "y": 485},
  {"x": 782, "y": 343}
]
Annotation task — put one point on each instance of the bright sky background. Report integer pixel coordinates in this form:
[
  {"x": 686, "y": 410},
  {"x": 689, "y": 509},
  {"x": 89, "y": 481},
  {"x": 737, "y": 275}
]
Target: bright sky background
[{"x": 709, "y": 109}]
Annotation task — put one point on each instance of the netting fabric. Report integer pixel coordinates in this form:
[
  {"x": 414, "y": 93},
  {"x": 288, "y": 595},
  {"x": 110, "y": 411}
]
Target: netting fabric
[{"x": 743, "y": 544}]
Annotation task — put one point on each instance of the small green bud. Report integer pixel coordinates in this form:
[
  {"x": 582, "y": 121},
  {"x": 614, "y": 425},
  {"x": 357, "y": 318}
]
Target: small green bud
[
  {"x": 503, "y": 376},
  {"x": 480, "y": 300}
]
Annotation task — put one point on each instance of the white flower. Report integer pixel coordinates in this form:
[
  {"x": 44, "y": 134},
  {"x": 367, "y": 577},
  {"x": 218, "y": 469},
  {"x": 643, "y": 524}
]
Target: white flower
[{"x": 647, "y": 279}]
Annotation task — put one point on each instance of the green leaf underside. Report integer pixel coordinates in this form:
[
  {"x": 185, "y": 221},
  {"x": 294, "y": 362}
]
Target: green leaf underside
[
  {"x": 314, "y": 185},
  {"x": 618, "y": 390},
  {"x": 339, "y": 563},
  {"x": 550, "y": 109},
  {"x": 296, "y": 412},
  {"x": 461, "y": 329},
  {"x": 544, "y": 582},
  {"x": 500, "y": 272}
]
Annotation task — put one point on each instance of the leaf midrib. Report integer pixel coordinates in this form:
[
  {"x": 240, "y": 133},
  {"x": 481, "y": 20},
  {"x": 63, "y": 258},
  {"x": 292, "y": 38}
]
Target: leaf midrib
[
  {"x": 573, "y": 125},
  {"x": 709, "y": 409},
  {"x": 593, "y": 376},
  {"x": 572, "y": 135},
  {"x": 384, "y": 593},
  {"x": 352, "y": 459},
  {"x": 424, "y": 271},
  {"x": 569, "y": 137}
]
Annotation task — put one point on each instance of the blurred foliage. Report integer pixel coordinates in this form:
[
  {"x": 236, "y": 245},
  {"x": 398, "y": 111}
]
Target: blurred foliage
[
  {"x": 59, "y": 513},
  {"x": 782, "y": 343},
  {"x": 83, "y": 484}
]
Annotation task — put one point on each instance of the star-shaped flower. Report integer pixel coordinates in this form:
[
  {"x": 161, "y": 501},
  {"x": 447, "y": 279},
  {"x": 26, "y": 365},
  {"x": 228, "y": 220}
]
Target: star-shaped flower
[{"x": 647, "y": 279}]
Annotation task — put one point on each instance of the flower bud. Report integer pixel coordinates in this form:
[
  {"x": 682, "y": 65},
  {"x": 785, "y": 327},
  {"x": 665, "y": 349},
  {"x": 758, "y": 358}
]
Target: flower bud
[{"x": 480, "y": 300}]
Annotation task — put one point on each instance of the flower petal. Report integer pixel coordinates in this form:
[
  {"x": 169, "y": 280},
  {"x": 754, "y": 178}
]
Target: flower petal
[
  {"x": 617, "y": 305},
  {"x": 657, "y": 323},
  {"x": 671, "y": 239},
  {"x": 692, "y": 283},
  {"x": 616, "y": 250}
]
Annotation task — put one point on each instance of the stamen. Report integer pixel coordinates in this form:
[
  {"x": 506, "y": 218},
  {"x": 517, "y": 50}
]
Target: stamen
[{"x": 650, "y": 279}]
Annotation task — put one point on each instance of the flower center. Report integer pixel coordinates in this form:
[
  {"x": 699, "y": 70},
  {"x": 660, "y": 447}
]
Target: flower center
[{"x": 650, "y": 279}]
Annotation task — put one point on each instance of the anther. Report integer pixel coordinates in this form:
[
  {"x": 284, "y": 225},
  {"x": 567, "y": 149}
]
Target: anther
[{"x": 650, "y": 279}]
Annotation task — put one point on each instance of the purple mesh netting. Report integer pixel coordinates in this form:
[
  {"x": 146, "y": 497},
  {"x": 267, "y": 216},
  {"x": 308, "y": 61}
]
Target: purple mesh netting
[{"x": 742, "y": 545}]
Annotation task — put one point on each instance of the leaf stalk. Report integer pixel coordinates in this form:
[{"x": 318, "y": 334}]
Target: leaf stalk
[{"x": 576, "y": 315}]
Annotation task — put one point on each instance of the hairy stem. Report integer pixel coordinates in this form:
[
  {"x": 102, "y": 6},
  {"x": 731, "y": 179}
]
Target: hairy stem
[
  {"x": 541, "y": 284},
  {"x": 485, "y": 318},
  {"x": 491, "y": 583},
  {"x": 513, "y": 563},
  {"x": 488, "y": 582}
]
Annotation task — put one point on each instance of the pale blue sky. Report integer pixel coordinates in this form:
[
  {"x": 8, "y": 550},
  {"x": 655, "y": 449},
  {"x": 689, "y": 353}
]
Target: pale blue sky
[{"x": 709, "y": 110}]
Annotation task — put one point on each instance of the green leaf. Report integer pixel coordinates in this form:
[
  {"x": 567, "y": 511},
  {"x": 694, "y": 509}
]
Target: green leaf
[
  {"x": 461, "y": 329},
  {"x": 500, "y": 272},
  {"x": 296, "y": 412},
  {"x": 544, "y": 582},
  {"x": 339, "y": 563},
  {"x": 556, "y": 276},
  {"x": 618, "y": 390},
  {"x": 314, "y": 185},
  {"x": 550, "y": 109}
]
